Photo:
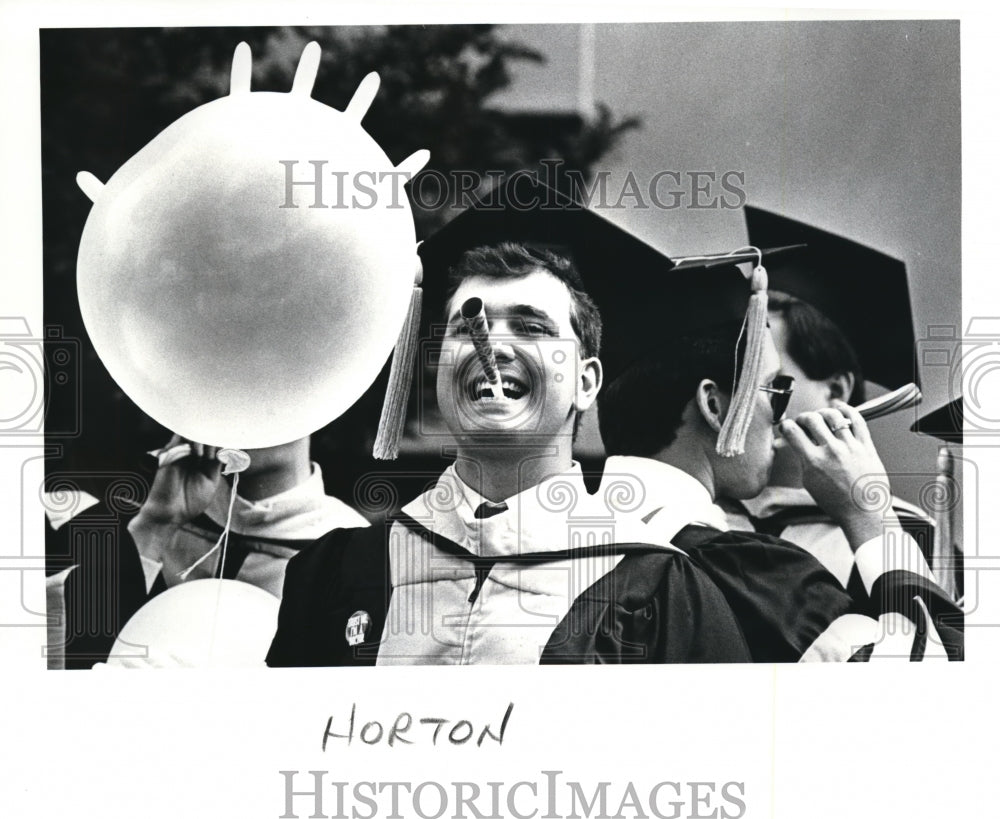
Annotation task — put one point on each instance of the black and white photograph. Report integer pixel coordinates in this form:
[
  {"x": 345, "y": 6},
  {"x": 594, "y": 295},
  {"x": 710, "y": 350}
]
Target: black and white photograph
[{"x": 354, "y": 339}]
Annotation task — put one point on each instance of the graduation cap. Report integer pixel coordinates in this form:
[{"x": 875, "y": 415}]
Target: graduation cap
[
  {"x": 522, "y": 210},
  {"x": 944, "y": 422},
  {"x": 863, "y": 291},
  {"x": 645, "y": 298}
]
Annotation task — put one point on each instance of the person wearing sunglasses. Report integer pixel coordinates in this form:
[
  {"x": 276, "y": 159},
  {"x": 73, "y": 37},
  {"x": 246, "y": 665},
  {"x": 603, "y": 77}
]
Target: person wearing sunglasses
[
  {"x": 817, "y": 356},
  {"x": 780, "y": 389},
  {"x": 692, "y": 413},
  {"x": 837, "y": 348}
]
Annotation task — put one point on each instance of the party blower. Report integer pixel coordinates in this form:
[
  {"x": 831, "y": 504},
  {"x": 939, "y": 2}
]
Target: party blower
[
  {"x": 228, "y": 311},
  {"x": 474, "y": 316}
]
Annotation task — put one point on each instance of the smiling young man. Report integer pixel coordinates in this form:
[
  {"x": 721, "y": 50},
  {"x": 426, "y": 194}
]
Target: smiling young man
[
  {"x": 545, "y": 335},
  {"x": 478, "y": 568},
  {"x": 506, "y": 558}
]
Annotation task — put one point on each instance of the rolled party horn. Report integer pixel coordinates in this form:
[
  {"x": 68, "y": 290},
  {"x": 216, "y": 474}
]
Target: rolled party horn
[
  {"x": 905, "y": 397},
  {"x": 474, "y": 316}
]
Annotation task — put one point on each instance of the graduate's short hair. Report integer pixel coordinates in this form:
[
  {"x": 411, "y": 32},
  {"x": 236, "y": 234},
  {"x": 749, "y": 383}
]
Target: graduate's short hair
[
  {"x": 509, "y": 260},
  {"x": 816, "y": 344},
  {"x": 640, "y": 411}
]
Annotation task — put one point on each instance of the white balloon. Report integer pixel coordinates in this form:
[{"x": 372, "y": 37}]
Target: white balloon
[
  {"x": 200, "y": 624},
  {"x": 228, "y": 317}
]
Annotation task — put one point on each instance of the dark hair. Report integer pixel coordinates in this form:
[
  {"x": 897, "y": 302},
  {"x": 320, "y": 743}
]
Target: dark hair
[
  {"x": 816, "y": 344},
  {"x": 508, "y": 260},
  {"x": 640, "y": 411}
]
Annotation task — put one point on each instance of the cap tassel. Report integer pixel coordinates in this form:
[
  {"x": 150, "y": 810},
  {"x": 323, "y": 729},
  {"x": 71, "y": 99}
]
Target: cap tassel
[
  {"x": 733, "y": 435},
  {"x": 397, "y": 394}
]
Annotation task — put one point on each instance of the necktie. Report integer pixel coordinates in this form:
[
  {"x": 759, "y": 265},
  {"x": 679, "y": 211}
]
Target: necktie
[{"x": 488, "y": 509}]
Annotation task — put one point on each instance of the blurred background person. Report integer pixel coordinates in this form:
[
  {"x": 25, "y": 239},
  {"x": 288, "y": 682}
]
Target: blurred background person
[
  {"x": 174, "y": 536},
  {"x": 280, "y": 506}
]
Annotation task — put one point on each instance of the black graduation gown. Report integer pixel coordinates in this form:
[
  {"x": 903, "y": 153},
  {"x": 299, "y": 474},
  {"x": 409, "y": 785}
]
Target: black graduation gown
[
  {"x": 770, "y": 583},
  {"x": 107, "y": 584},
  {"x": 656, "y": 605},
  {"x": 779, "y": 523},
  {"x": 727, "y": 600},
  {"x": 734, "y": 597}
]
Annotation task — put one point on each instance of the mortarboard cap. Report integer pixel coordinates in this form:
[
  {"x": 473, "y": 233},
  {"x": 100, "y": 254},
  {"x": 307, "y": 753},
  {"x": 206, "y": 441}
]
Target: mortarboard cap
[
  {"x": 527, "y": 212},
  {"x": 863, "y": 291},
  {"x": 641, "y": 296},
  {"x": 645, "y": 298},
  {"x": 944, "y": 422}
]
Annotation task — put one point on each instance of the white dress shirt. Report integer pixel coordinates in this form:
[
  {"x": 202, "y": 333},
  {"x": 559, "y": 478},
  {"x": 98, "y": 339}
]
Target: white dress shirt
[{"x": 441, "y": 613}]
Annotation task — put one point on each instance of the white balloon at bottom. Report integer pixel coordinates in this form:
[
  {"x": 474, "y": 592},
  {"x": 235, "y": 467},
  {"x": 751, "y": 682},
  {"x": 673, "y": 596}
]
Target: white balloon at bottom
[{"x": 202, "y": 624}]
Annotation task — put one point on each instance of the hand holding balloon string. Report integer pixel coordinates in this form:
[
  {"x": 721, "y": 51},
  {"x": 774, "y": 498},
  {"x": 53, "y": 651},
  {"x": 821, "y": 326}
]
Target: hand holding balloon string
[
  {"x": 185, "y": 484},
  {"x": 186, "y": 481}
]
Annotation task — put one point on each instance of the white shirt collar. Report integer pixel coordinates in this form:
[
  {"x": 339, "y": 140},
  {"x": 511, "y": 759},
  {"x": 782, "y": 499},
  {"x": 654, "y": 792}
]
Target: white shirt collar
[
  {"x": 775, "y": 498},
  {"x": 537, "y": 519},
  {"x": 304, "y": 511},
  {"x": 665, "y": 498}
]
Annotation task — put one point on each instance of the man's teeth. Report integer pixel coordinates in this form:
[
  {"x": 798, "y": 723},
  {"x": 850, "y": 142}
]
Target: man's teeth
[{"x": 511, "y": 389}]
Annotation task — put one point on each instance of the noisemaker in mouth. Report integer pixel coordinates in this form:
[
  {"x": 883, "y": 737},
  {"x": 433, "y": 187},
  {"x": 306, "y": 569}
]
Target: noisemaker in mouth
[{"x": 474, "y": 316}]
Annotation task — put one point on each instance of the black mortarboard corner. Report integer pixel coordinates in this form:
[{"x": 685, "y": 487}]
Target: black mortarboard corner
[
  {"x": 863, "y": 291},
  {"x": 944, "y": 422},
  {"x": 645, "y": 298}
]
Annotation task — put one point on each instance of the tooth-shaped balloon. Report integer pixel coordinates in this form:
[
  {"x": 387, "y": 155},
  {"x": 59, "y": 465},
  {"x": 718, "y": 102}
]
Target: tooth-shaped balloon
[{"x": 245, "y": 275}]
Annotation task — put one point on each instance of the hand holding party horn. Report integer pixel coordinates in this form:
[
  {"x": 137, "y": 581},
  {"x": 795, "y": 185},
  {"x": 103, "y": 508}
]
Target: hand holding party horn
[
  {"x": 474, "y": 316},
  {"x": 903, "y": 398}
]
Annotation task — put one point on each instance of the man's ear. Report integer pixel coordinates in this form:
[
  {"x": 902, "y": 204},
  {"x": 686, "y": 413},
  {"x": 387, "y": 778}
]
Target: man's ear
[
  {"x": 840, "y": 386},
  {"x": 711, "y": 403},
  {"x": 591, "y": 376}
]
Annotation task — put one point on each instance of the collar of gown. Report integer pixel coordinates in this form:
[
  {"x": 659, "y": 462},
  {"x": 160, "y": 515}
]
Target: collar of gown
[
  {"x": 303, "y": 512},
  {"x": 775, "y": 498},
  {"x": 542, "y": 518},
  {"x": 663, "y": 497}
]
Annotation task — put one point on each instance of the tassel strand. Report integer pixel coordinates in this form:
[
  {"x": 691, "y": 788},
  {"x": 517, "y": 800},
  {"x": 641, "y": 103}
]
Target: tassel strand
[
  {"x": 392, "y": 423},
  {"x": 733, "y": 435}
]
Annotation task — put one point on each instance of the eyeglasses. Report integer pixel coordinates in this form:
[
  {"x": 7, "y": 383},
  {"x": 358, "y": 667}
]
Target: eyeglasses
[{"x": 781, "y": 393}]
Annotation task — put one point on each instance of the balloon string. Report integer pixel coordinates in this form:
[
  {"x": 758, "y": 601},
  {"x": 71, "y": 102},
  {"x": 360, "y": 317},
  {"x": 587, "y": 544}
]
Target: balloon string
[
  {"x": 224, "y": 537},
  {"x": 223, "y": 540}
]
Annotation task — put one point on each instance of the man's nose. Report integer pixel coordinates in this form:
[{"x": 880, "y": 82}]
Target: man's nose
[
  {"x": 502, "y": 350},
  {"x": 501, "y": 340}
]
